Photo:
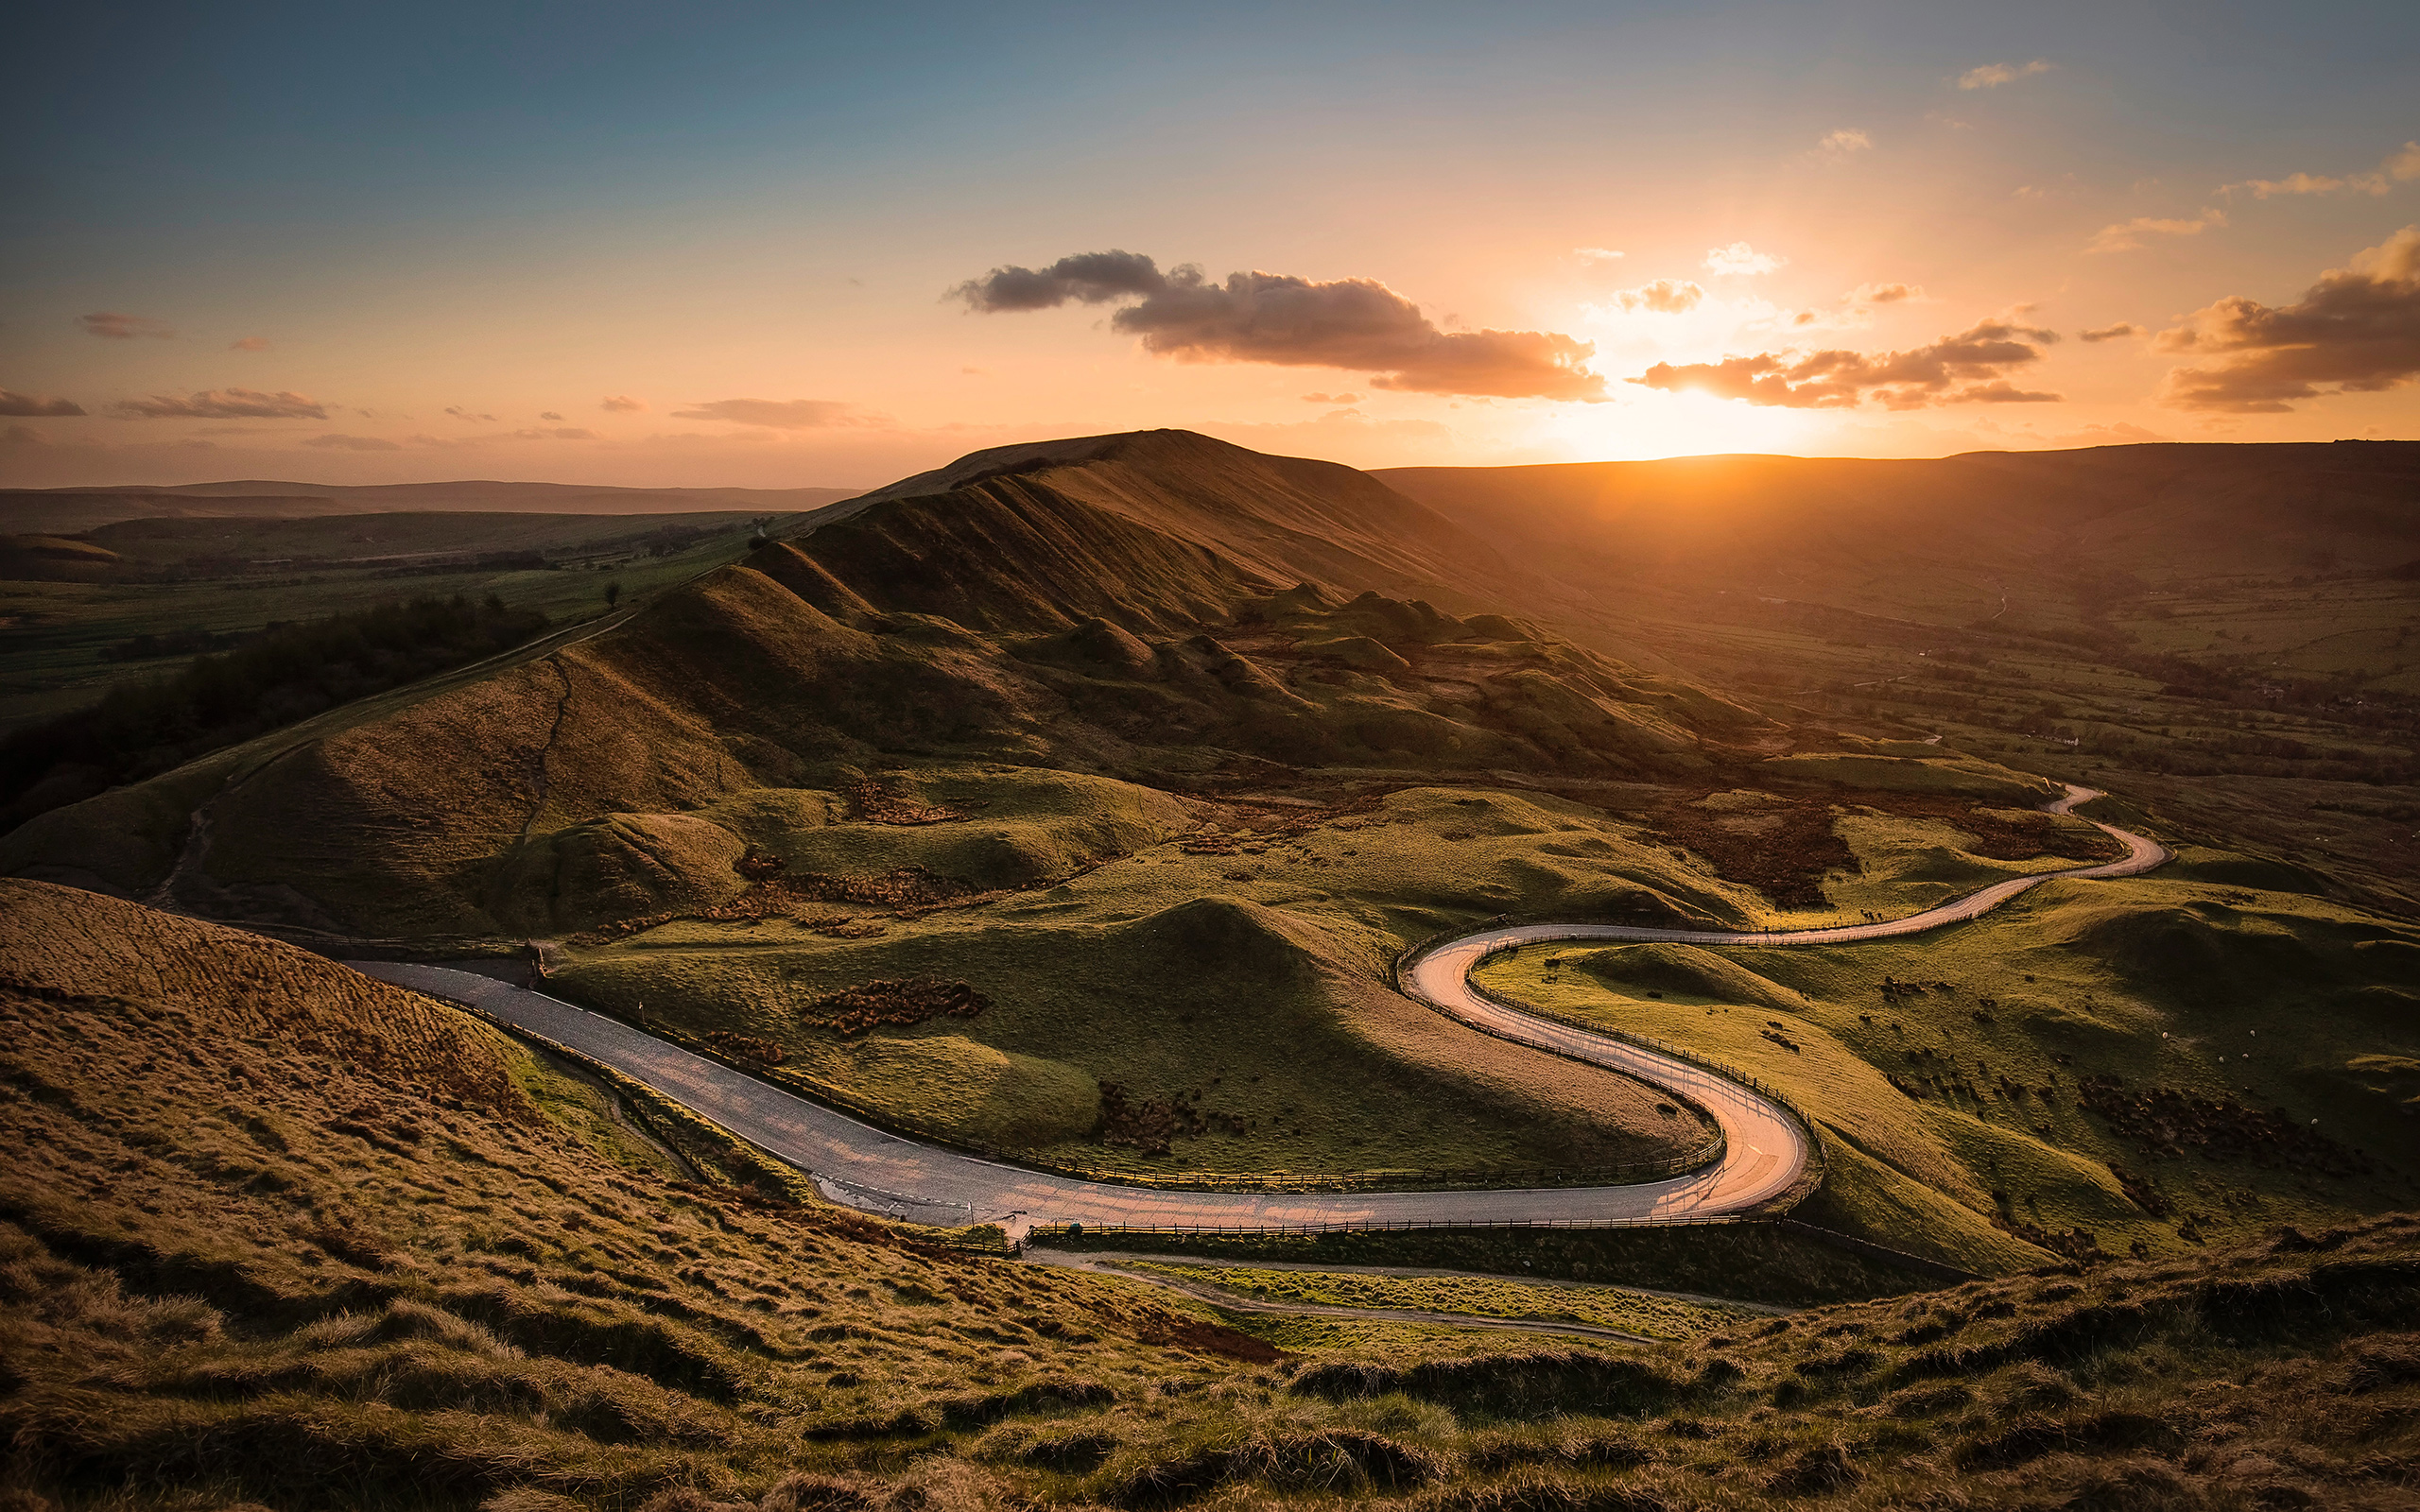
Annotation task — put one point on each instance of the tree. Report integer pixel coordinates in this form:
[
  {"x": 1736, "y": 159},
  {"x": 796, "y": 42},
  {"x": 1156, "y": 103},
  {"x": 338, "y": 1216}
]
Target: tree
[{"x": 613, "y": 592}]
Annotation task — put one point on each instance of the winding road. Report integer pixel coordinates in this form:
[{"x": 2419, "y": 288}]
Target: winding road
[{"x": 1766, "y": 1150}]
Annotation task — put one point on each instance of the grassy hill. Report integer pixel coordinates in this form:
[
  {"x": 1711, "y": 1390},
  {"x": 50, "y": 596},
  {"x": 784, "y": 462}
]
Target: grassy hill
[
  {"x": 278, "y": 1236},
  {"x": 1142, "y": 740},
  {"x": 2149, "y": 1069},
  {"x": 947, "y": 710},
  {"x": 2221, "y": 632},
  {"x": 1162, "y": 747}
]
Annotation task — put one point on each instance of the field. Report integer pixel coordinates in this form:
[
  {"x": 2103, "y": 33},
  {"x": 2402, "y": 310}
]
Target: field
[
  {"x": 292, "y": 1238},
  {"x": 1219, "y": 961},
  {"x": 2141, "y": 1066},
  {"x": 2221, "y": 637},
  {"x": 1077, "y": 802},
  {"x": 977, "y": 744},
  {"x": 225, "y": 577}
]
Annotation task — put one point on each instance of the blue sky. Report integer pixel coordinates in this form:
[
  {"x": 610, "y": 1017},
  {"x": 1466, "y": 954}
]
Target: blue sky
[{"x": 411, "y": 213}]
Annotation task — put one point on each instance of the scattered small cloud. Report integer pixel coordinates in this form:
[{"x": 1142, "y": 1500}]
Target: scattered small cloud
[
  {"x": 2357, "y": 328},
  {"x": 1971, "y": 368},
  {"x": 1596, "y": 254},
  {"x": 2402, "y": 167},
  {"x": 470, "y": 417},
  {"x": 1843, "y": 142},
  {"x": 621, "y": 404},
  {"x": 1288, "y": 321},
  {"x": 1663, "y": 297},
  {"x": 776, "y": 414},
  {"x": 1740, "y": 259},
  {"x": 975, "y": 373},
  {"x": 249, "y": 344},
  {"x": 1992, "y": 76},
  {"x": 332, "y": 442},
  {"x": 1331, "y": 398},
  {"x": 36, "y": 406},
  {"x": 223, "y": 403},
  {"x": 2120, "y": 332},
  {"x": 560, "y": 433},
  {"x": 115, "y": 326},
  {"x": 548, "y": 414},
  {"x": 1868, "y": 295},
  {"x": 2127, "y": 235}
]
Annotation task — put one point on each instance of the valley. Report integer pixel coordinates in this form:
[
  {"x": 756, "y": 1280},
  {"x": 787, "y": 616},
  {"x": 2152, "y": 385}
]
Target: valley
[{"x": 1098, "y": 841}]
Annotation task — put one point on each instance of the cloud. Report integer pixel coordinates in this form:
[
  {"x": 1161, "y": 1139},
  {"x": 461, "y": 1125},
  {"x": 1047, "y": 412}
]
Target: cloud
[
  {"x": 223, "y": 403},
  {"x": 1740, "y": 259},
  {"x": 1992, "y": 76},
  {"x": 1867, "y": 294},
  {"x": 1970, "y": 368},
  {"x": 2400, "y": 167},
  {"x": 352, "y": 443},
  {"x": 468, "y": 416},
  {"x": 1596, "y": 254},
  {"x": 560, "y": 433},
  {"x": 2358, "y": 328},
  {"x": 1663, "y": 297},
  {"x": 548, "y": 414},
  {"x": 1288, "y": 321},
  {"x": 1844, "y": 142},
  {"x": 2127, "y": 235},
  {"x": 118, "y": 327},
  {"x": 2113, "y": 333},
  {"x": 36, "y": 406},
  {"x": 620, "y": 404},
  {"x": 776, "y": 414},
  {"x": 1090, "y": 278},
  {"x": 249, "y": 344},
  {"x": 1331, "y": 398}
]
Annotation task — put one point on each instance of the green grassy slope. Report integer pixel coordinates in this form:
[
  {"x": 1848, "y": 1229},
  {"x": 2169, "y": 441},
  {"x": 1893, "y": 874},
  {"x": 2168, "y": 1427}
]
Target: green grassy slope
[
  {"x": 2149, "y": 1065},
  {"x": 284, "y": 1237}
]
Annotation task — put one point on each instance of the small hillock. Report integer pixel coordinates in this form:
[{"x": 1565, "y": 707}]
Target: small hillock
[{"x": 255, "y": 1249}]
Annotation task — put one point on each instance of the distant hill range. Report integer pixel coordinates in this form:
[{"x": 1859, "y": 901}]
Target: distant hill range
[
  {"x": 69, "y": 511},
  {"x": 2150, "y": 510},
  {"x": 1167, "y": 609}
]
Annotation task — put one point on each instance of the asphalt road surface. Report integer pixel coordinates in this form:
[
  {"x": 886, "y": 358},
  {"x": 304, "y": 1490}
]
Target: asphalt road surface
[{"x": 866, "y": 1168}]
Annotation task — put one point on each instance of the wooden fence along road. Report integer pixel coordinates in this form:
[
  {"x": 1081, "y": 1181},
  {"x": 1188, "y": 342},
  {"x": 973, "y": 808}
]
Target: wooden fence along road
[{"x": 1765, "y": 1148}]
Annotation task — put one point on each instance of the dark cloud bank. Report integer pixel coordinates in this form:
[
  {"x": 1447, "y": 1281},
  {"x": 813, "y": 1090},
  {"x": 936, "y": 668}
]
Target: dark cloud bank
[{"x": 1352, "y": 324}]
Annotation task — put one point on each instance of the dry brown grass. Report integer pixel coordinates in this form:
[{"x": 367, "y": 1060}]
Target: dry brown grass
[{"x": 276, "y": 1235}]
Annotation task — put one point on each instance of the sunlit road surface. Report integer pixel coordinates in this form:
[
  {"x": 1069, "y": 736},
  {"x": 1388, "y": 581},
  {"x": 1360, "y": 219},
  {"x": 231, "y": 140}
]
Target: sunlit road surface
[{"x": 867, "y": 1168}]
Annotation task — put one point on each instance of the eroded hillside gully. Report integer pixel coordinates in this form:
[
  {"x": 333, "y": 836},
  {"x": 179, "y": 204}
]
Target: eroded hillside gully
[{"x": 1765, "y": 1148}]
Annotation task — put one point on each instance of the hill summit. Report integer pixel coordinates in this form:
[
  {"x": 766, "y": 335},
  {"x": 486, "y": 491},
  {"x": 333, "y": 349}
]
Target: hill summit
[{"x": 1158, "y": 607}]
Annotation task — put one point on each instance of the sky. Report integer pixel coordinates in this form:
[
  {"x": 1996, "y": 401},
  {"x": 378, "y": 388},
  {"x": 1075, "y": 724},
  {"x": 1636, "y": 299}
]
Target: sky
[{"x": 799, "y": 245}]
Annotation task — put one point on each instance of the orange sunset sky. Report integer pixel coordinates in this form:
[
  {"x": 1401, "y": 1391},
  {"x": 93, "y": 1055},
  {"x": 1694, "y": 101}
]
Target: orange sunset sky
[{"x": 786, "y": 246}]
